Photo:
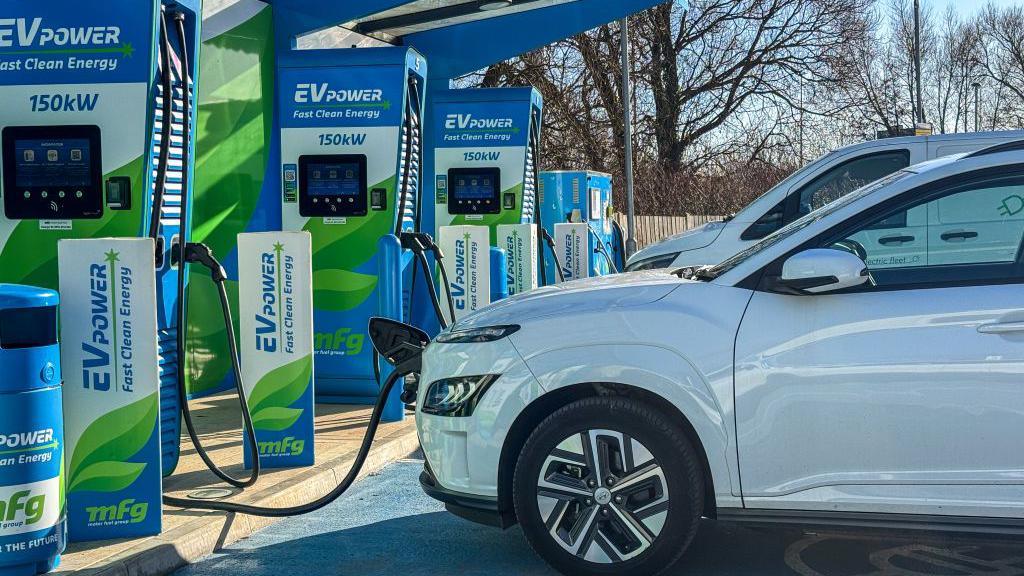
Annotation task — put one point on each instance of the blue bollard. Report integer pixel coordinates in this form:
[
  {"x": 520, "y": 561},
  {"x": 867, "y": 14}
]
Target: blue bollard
[
  {"x": 33, "y": 531},
  {"x": 499, "y": 274},
  {"x": 390, "y": 306}
]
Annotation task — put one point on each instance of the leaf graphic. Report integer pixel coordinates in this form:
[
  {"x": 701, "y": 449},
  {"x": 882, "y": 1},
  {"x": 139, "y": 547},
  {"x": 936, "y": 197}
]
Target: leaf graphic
[
  {"x": 107, "y": 476},
  {"x": 115, "y": 436},
  {"x": 340, "y": 290},
  {"x": 275, "y": 418},
  {"x": 282, "y": 386}
]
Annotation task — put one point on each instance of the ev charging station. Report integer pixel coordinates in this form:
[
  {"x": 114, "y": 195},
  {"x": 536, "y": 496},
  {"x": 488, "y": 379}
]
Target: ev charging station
[
  {"x": 96, "y": 117},
  {"x": 350, "y": 170},
  {"x": 485, "y": 154},
  {"x": 97, "y": 133},
  {"x": 577, "y": 209}
]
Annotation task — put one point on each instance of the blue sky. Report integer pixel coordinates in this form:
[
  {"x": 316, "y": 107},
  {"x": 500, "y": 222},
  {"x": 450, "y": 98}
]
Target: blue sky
[{"x": 965, "y": 7}]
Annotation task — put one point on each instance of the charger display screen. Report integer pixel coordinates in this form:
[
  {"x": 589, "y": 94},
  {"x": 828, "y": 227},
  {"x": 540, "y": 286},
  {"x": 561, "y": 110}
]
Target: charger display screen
[
  {"x": 52, "y": 172},
  {"x": 334, "y": 179},
  {"x": 474, "y": 191},
  {"x": 333, "y": 185}
]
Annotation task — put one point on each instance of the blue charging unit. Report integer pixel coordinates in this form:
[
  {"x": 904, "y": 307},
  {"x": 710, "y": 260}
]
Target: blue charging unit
[
  {"x": 583, "y": 196},
  {"x": 32, "y": 515},
  {"x": 350, "y": 140},
  {"x": 96, "y": 110}
]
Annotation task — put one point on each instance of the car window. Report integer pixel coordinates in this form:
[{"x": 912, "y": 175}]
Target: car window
[
  {"x": 769, "y": 222},
  {"x": 798, "y": 225},
  {"x": 971, "y": 232},
  {"x": 847, "y": 177}
]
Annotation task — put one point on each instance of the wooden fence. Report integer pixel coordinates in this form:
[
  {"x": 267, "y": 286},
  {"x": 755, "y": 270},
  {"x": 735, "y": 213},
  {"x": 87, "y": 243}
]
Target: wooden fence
[{"x": 650, "y": 229}]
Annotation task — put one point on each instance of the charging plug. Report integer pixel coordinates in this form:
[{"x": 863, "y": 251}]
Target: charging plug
[{"x": 202, "y": 254}]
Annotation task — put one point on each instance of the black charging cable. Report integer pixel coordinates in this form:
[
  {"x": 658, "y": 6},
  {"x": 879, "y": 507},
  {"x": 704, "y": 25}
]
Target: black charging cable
[
  {"x": 197, "y": 253},
  {"x": 601, "y": 249},
  {"x": 346, "y": 482},
  {"x": 550, "y": 243},
  {"x": 419, "y": 243}
]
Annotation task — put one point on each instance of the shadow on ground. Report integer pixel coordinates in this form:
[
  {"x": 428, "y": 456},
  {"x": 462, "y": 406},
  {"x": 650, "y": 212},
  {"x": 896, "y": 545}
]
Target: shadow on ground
[{"x": 386, "y": 526}]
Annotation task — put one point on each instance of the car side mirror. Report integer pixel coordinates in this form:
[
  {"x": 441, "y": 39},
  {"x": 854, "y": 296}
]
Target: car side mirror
[{"x": 822, "y": 270}]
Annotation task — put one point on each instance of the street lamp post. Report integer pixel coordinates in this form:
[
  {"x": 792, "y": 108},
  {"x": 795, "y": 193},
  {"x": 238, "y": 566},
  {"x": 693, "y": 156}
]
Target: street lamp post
[
  {"x": 627, "y": 134},
  {"x": 977, "y": 108}
]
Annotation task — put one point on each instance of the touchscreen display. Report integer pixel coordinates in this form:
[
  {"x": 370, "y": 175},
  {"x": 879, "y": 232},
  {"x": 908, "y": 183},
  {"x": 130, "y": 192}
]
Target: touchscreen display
[
  {"x": 333, "y": 179},
  {"x": 473, "y": 186},
  {"x": 52, "y": 163}
]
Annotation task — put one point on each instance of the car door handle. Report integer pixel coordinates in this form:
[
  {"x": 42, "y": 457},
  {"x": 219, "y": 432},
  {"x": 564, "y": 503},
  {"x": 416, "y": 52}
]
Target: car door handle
[
  {"x": 897, "y": 240},
  {"x": 1001, "y": 328},
  {"x": 958, "y": 235}
]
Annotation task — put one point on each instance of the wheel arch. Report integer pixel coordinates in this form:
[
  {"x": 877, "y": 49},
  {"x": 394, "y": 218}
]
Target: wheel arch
[{"x": 547, "y": 404}]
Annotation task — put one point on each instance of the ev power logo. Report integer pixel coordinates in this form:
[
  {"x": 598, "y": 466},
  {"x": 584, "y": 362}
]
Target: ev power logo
[
  {"x": 459, "y": 283},
  {"x": 275, "y": 317},
  {"x": 33, "y": 447},
  {"x": 470, "y": 128},
  {"x": 34, "y": 43},
  {"x": 107, "y": 351},
  {"x": 319, "y": 100},
  {"x": 571, "y": 239},
  {"x": 514, "y": 249},
  {"x": 468, "y": 266}
]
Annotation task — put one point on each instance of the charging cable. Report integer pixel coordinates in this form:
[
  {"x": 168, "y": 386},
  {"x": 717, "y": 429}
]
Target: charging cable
[{"x": 193, "y": 253}]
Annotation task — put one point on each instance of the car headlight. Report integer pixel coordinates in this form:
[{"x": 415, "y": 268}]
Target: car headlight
[
  {"x": 653, "y": 263},
  {"x": 456, "y": 397},
  {"x": 476, "y": 335}
]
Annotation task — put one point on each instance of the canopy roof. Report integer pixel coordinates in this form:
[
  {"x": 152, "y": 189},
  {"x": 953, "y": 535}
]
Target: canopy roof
[{"x": 457, "y": 36}]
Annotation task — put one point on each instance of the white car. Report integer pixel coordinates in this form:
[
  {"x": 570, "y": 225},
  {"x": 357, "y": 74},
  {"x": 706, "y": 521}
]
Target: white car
[
  {"x": 807, "y": 189},
  {"x": 791, "y": 383}
]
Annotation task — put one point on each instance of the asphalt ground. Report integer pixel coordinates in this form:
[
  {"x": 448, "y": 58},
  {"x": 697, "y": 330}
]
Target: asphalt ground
[{"x": 386, "y": 526}]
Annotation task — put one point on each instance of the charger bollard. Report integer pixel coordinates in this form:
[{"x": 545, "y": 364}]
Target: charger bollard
[
  {"x": 108, "y": 334},
  {"x": 468, "y": 266},
  {"x": 276, "y": 320},
  {"x": 499, "y": 274},
  {"x": 32, "y": 519},
  {"x": 572, "y": 247},
  {"x": 522, "y": 250}
]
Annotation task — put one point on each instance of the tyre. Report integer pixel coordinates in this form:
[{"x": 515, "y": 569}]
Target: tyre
[{"x": 609, "y": 485}]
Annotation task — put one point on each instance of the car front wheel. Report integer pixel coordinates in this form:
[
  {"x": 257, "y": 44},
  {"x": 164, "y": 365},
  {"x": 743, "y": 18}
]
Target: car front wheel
[{"x": 608, "y": 485}]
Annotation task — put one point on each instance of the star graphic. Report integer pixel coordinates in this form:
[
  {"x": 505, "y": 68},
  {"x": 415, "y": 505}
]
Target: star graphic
[
  {"x": 112, "y": 256},
  {"x": 127, "y": 50}
]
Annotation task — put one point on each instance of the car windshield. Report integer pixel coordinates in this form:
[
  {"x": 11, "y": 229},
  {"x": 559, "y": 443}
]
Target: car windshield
[
  {"x": 787, "y": 182},
  {"x": 713, "y": 272}
]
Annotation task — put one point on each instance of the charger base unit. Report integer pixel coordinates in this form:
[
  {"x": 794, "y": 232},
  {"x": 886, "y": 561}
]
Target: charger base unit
[
  {"x": 82, "y": 129},
  {"x": 350, "y": 140},
  {"x": 582, "y": 197}
]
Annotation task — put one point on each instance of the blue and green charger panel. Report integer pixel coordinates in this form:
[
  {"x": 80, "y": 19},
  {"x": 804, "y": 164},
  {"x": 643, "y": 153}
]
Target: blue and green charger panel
[{"x": 349, "y": 174}]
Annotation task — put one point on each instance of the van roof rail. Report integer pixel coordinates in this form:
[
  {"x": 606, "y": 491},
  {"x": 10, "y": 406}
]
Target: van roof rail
[{"x": 1012, "y": 146}]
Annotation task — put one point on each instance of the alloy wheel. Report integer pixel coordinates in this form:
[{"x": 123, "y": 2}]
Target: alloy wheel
[{"x": 603, "y": 496}]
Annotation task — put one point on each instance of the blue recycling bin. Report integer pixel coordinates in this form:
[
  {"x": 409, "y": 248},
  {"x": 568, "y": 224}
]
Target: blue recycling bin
[{"x": 32, "y": 515}]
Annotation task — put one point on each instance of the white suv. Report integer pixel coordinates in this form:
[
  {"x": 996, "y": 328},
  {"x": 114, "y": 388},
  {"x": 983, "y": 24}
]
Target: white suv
[
  {"x": 810, "y": 378},
  {"x": 807, "y": 189}
]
